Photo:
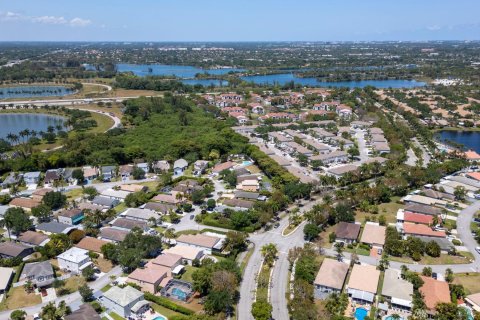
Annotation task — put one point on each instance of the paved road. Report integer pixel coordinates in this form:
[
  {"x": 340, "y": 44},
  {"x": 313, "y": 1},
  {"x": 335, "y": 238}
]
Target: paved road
[{"x": 73, "y": 299}]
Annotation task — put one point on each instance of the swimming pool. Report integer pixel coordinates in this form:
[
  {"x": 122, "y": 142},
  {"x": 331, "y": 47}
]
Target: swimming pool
[
  {"x": 247, "y": 163},
  {"x": 180, "y": 294},
  {"x": 392, "y": 318},
  {"x": 360, "y": 313},
  {"x": 159, "y": 318},
  {"x": 469, "y": 313}
]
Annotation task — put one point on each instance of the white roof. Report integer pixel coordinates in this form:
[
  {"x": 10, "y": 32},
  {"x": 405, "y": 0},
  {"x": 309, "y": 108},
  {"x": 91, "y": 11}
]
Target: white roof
[
  {"x": 143, "y": 214},
  {"x": 187, "y": 252},
  {"x": 5, "y": 276},
  {"x": 180, "y": 163},
  {"x": 120, "y": 194},
  {"x": 74, "y": 254},
  {"x": 123, "y": 297}
]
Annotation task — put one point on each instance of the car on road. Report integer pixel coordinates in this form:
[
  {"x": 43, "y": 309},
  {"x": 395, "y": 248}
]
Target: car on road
[
  {"x": 477, "y": 249},
  {"x": 192, "y": 216}
]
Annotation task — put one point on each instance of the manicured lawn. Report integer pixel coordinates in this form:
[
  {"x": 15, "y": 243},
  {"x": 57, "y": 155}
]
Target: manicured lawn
[
  {"x": 151, "y": 185},
  {"x": 103, "y": 122},
  {"x": 121, "y": 207},
  {"x": 18, "y": 298},
  {"x": 470, "y": 281},
  {"x": 74, "y": 194},
  {"x": 164, "y": 311},
  {"x": 115, "y": 316},
  {"x": 106, "y": 288},
  {"x": 187, "y": 274},
  {"x": 263, "y": 282},
  {"x": 443, "y": 259}
]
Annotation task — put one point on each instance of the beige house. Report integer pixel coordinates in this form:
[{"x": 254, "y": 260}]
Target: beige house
[
  {"x": 330, "y": 278},
  {"x": 187, "y": 253},
  {"x": 363, "y": 283},
  {"x": 374, "y": 235}
]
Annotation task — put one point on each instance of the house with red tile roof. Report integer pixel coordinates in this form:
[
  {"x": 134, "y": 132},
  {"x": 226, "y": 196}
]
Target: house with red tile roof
[
  {"x": 414, "y": 217},
  {"x": 414, "y": 229},
  {"x": 471, "y": 155},
  {"x": 474, "y": 175},
  {"x": 434, "y": 292}
]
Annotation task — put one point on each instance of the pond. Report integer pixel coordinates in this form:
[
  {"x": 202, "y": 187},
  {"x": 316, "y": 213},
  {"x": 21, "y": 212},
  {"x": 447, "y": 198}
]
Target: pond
[
  {"x": 284, "y": 78},
  {"x": 34, "y": 91},
  {"x": 16, "y": 122},
  {"x": 470, "y": 139},
  {"x": 184, "y": 72}
]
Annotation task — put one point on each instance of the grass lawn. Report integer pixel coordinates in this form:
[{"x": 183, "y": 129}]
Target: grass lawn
[
  {"x": 103, "y": 122},
  {"x": 187, "y": 274},
  {"x": 263, "y": 282},
  {"x": 254, "y": 169},
  {"x": 164, "y": 311},
  {"x": 73, "y": 283},
  {"x": 120, "y": 208},
  {"x": 389, "y": 210},
  {"x": 443, "y": 259},
  {"x": 470, "y": 281},
  {"x": 103, "y": 264},
  {"x": 245, "y": 260},
  {"x": 74, "y": 194},
  {"x": 289, "y": 229},
  {"x": 18, "y": 298},
  {"x": 115, "y": 316},
  {"x": 106, "y": 288},
  {"x": 151, "y": 185}
]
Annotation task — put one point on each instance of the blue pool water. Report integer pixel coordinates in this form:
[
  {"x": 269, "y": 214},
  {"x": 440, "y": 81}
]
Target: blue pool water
[
  {"x": 160, "y": 318},
  {"x": 391, "y": 318},
  {"x": 247, "y": 163},
  {"x": 181, "y": 295},
  {"x": 469, "y": 313},
  {"x": 360, "y": 313}
]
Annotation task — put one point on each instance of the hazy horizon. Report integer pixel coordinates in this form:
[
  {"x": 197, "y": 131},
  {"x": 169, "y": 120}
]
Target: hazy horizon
[{"x": 242, "y": 21}]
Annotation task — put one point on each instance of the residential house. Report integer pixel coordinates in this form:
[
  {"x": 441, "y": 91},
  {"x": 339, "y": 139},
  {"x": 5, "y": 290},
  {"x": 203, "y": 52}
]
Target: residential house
[
  {"x": 239, "y": 203},
  {"x": 465, "y": 180},
  {"x": 472, "y": 156},
  {"x": 223, "y": 166},
  {"x": 13, "y": 178},
  {"x": 124, "y": 301},
  {"x": 200, "y": 166},
  {"x": 414, "y": 229},
  {"x": 33, "y": 239},
  {"x": 52, "y": 175},
  {"x": 249, "y": 185},
  {"x": 25, "y": 203},
  {"x": 128, "y": 224},
  {"x": 38, "y": 194},
  {"x": 363, "y": 283},
  {"x": 6, "y": 275},
  {"x": 174, "y": 198},
  {"x": 137, "y": 214},
  {"x": 419, "y": 199},
  {"x": 54, "y": 227},
  {"x": 91, "y": 244},
  {"x": 360, "y": 124},
  {"x": 85, "y": 312},
  {"x": 108, "y": 172},
  {"x": 320, "y": 147},
  {"x": 438, "y": 194},
  {"x": 113, "y": 234},
  {"x": 332, "y": 157},
  {"x": 169, "y": 260},
  {"x": 374, "y": 235},
  {"x": 179, "y": 166},
  {"x": 343, "y": 111},
  {"x": 105, "y": 202},
  {"x": 32, "y": 177},
  {"x": 397, "y": 291},
  {"x": 71, "y": 217},
  {"x": 187, "y": 253},
  {"x": 474, "y": 176},
  {"x": 340, "y": 171},
  {"x": 40, "y": 274},
  {"x": 330, "y": 278},
  {"x": 161, "y": 166},
  {"x": 413, "y": 217},
  {"x": 381, "y": 147},
  {"x": 247, "y": 195},
  {"x": 90, "y": 174},
  {"x": 125, "y": 171},
  {"x": 162, "y": 208},
  {"x": 14, "y": 250},
  {"x": 422, "y": 209},
  {"x": 347, "y": 232},
  {"x": 143, "y": 166},
  {"x": 322, "y": 134},
  {"x": 201, "y": 241},
  {"x": 434, "y": 292},
  {"x": 113, "y": 194},
  {"x": 472, "y": 300},
  {"x": 74, "y": 260},
  {"x": 132, "y": 188},
  {"x": 281, "y": 161},
  {"x": 150, "y": 277}
]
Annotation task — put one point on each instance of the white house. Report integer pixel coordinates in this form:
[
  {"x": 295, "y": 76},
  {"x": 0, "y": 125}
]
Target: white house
[
  {"x": 179, "y": 166},
  {"x": 74, "y": 260},
  {"x": 124, "y": 301},
  {"x": 31, "y": 177}
]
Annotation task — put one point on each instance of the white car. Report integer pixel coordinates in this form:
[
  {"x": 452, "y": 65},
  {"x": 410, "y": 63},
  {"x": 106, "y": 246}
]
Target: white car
[{"x": 477, "y": 249}]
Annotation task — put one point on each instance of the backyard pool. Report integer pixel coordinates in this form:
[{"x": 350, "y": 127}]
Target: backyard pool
[
  {"x": 159, "y": 318},
  {"x": 247, "y": 163},
  {"x": 360, "y": 313},
  {"x": 180, "y": 294},
  {"x": 393, "y": 318},
  {"x": 469, "y": 313}
]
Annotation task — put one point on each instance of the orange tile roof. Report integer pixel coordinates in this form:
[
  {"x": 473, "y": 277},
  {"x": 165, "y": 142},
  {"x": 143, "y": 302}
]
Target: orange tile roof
[
  {"x": 474, "y": 175},
  {"x": 472, "y": 155},
  {"x": 418, "y": 218},
  {"x": 151, "y": 273},
  {"x": 434, "y": 292},
  {"x": 91, "y": 244},
  {"x": 422, "y": 230},
  {"x": 25, "y": 203}
]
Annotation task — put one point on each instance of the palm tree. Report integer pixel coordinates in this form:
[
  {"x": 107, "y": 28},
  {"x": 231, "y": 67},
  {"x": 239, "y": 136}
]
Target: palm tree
[{"x": 269, "y": 253}]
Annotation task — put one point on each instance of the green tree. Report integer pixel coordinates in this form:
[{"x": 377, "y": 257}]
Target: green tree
[
  {"x": 311, "y": 231},
  {"x": 42, "y": 213},
  {"x": 262, "y": 310},
  {"x": 138, "y": 174},
  {"x": 90, "y": 192},
  {"x": 427, "y": 271},
  {"x": 432, "y": 249},
  {"x": 211, "y": 204},
  {"x": 77, "y": 174},
  {"x": 269, "y": 253},
  {"x": 86, "y": 292},
  {"x": 18, "y": 315},
  {"x": 460, "y": 193},
  {"x": 16, "y": 220},
  {"x": 88, "y": 273},
  {"x": 449, "y": 275},
  {"x": 235, "y": 242},
  {"x": 54, "y": 199}
]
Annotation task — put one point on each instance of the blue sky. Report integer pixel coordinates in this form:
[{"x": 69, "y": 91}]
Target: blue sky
[{"x": 241, "y": 20}]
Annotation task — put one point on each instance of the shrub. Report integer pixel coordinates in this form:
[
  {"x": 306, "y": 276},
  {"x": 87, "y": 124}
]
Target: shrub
[
  {"x": 164, "y": 302},
  {"x": 97, "y": 307}
]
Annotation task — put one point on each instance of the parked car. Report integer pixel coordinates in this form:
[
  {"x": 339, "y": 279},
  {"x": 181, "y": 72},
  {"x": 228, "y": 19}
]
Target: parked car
[{"x": 477, "y": 249}]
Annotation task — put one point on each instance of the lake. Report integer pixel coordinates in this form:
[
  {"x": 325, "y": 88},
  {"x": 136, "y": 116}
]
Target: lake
[
  {"x": 16, "y": 122},
  {"x": 34, "y": 91},
  {"x": 470, "y": 139},
  {"x": 142, "y": 70},
  {"x": 284, "y": 78}
]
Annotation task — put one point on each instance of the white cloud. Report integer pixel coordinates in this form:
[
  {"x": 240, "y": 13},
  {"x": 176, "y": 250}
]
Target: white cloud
[
  {"x": 79, "y": 22},
  {"x": 53, "y": 20},
  {"x": 49, "y": 20}
]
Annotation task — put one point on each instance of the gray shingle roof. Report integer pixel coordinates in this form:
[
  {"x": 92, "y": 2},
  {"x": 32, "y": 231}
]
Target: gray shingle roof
[{"x": 53, "y": 227}]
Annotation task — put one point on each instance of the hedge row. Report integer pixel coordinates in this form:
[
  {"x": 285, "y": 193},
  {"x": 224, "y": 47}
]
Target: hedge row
[{"x": 164, "y": 302}]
